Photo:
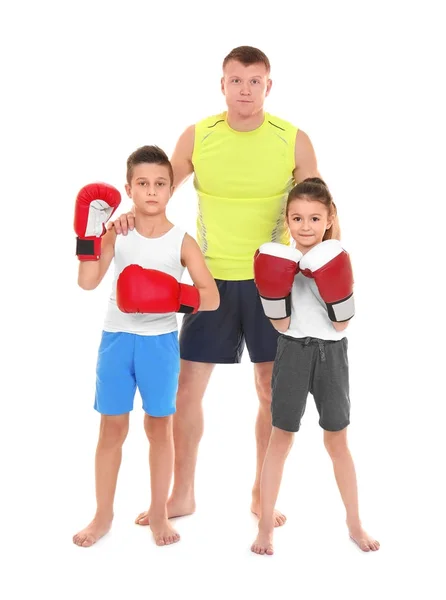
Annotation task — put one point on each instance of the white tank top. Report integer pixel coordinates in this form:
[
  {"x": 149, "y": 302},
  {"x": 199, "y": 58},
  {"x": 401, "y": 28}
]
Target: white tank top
[
  {"x": 162, "y": 253},
  {"x": 309, "y": 317}
]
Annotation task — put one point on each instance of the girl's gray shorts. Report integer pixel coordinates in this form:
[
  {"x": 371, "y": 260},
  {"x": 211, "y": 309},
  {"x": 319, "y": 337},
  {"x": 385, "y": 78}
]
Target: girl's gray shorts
[{"x": 315, "y": 366}]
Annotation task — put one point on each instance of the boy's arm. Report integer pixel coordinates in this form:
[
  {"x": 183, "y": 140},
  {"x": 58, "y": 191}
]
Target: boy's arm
[
  {"x": 91, "y": 272},
  {"x": 340, "y": 326},
  {"x": 193, "y": 259}
]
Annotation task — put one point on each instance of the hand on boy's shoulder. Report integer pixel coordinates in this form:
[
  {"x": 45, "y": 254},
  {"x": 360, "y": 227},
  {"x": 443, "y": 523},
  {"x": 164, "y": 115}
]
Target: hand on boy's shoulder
[{"x": 123, "y": 224}]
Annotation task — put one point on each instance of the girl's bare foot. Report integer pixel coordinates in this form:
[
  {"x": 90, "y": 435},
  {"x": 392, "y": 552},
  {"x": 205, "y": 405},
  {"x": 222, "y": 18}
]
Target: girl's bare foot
[
  {"x": 263, "y": 543},
  {"x": 93, "y": 532},
  {"x": 175, "y": 508},
  {"x": 279, "y": 518},
  {"x": 364, "y": 541},
  {"x": 163, "y": 532}
]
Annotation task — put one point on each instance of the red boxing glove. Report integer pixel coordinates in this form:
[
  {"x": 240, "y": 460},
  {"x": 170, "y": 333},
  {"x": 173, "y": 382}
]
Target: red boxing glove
[
  {"x": 329, "y": 265},
  {"x": 95, "y": 204},
  {"x": 275, "y": 267},
  {"x": 140, "y": 290}
]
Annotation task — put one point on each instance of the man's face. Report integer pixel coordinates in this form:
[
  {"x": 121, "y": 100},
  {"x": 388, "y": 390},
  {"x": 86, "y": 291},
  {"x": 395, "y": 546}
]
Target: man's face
[{"x": 245, "y": 88}]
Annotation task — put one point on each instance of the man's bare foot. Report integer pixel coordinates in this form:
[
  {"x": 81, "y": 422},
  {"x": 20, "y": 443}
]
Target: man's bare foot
[
  {"x": 264, "y": 541},
  {"x": 364, "y": 541},
  {"x": 279, "y": 518},
  {"x": 163, "y": 532},
  {"x": 175, "y": 508},
  {"x": 93, "y": 532}
]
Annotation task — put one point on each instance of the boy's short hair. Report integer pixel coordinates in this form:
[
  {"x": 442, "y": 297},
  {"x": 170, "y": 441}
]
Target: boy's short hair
[
  {"x": 150, "y": 155},
  {"x": 247, "y": 55}
]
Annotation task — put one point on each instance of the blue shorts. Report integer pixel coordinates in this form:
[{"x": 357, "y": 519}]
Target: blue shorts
[
  {"x": 127, "y": 360},
  {"x": 219, "y": 336}
]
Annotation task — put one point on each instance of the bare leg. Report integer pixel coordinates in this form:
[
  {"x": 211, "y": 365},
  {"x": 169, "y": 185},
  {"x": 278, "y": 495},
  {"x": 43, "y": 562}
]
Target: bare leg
[
  {"x": 263, "y": 373},
  {"x": 344, "y": 470},
  {"x": 187, "y": 433},
  {"x": 160, "y": 436},
  {"x": 112, "y": 433},
  {"x": 278, "y": 449}
]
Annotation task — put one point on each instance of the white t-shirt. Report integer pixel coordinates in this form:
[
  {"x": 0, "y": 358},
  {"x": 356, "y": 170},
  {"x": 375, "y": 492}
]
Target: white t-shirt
[
  {"x": 309, "y": 317},
  {"x": 162, "y": 253}
]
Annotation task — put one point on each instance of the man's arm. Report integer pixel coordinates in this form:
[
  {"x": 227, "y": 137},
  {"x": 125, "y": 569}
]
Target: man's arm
[
  {"x": 182, "y": 157},
  {"x": 306, "y": 166},
  {"x": 304, "y": 158},
  {"x": 91, "y": 272},
  {"x": 193, "y": 259}
]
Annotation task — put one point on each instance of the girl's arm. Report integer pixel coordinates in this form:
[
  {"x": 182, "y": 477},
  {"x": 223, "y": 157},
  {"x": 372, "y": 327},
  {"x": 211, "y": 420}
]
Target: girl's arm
[
  {"x": 281, "y": 325},
  {"x": 340, "y": 326}
]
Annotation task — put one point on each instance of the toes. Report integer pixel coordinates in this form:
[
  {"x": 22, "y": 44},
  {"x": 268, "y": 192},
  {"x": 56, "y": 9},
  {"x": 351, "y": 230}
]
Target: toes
[
  {"x": 279, "y": 520},
  {"x": 88, "y": 541},
  {"x": 258, "y": 549},
  {"x": 142, "y": 519},
  {"x": 79, "y": 539},
  {"x": 364, "y": 546}
]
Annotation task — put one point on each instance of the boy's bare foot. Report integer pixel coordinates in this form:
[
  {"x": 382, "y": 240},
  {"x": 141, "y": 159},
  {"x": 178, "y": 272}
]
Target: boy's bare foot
[
  {"x": 279, "y": 518},
  {"x": 163, "y": 532},
  {"x": 364, "y": 541},
  {"x": 93, "y": 532},
  {"x": 264, "y": 541},
  {"x": 175, "y": 508}
]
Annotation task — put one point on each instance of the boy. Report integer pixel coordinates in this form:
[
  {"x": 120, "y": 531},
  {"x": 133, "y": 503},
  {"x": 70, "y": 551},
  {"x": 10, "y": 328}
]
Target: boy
[{"x": 139, "y": 345}]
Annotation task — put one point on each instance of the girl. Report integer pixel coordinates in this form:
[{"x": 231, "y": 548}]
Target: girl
[{"x": 312, "y": 350}]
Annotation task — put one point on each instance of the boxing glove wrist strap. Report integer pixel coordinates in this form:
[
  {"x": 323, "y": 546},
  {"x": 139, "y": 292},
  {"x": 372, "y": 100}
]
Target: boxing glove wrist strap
[
  {"x": 276, "y": 308},
  {"x": 88, "y": 248},
  {"x": 189, "y": 299},
  {"x": 342, "y": 310}
]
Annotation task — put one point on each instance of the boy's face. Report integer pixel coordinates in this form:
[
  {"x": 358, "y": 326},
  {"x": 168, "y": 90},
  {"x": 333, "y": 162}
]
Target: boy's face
[
  {"x": 245, "y": 88},
  {"x": 150, "y": 188}
]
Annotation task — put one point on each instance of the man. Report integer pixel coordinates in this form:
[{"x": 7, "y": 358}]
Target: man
[{"x": 245, "y": 162}]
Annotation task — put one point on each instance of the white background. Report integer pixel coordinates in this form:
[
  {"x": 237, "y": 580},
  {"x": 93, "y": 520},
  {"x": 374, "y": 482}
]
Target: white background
[{"x": 84, "y": 84}]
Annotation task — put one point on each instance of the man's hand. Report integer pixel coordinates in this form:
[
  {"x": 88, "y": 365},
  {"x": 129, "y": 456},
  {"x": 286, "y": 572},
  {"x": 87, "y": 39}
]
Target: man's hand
[{"x": 122, "y": 225}]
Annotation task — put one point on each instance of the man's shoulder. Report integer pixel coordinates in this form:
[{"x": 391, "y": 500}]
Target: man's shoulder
[
  {"x": 212, "y": 121},
  {"x": 282, "y": 124}
]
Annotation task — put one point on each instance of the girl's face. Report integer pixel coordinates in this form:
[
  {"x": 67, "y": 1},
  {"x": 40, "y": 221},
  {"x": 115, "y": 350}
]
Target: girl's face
[{"x": 308, "y": 221}]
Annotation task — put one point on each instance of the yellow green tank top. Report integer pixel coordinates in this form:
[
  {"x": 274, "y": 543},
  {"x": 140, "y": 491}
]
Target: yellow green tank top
[{"x": 242, "y": 180}]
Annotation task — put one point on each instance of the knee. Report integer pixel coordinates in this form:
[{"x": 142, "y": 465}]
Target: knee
[
  {"x": 263, "y": 387},
  {"x": 158, "y": 429},
  {"x": 113, "y": 431},
  {"x": 336, "y": 444},
  {"x": 282, "y": 440}
]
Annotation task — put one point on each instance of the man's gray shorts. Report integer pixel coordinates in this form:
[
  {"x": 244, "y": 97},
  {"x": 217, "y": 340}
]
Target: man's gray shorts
[{"x": 310, "y": 365}]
